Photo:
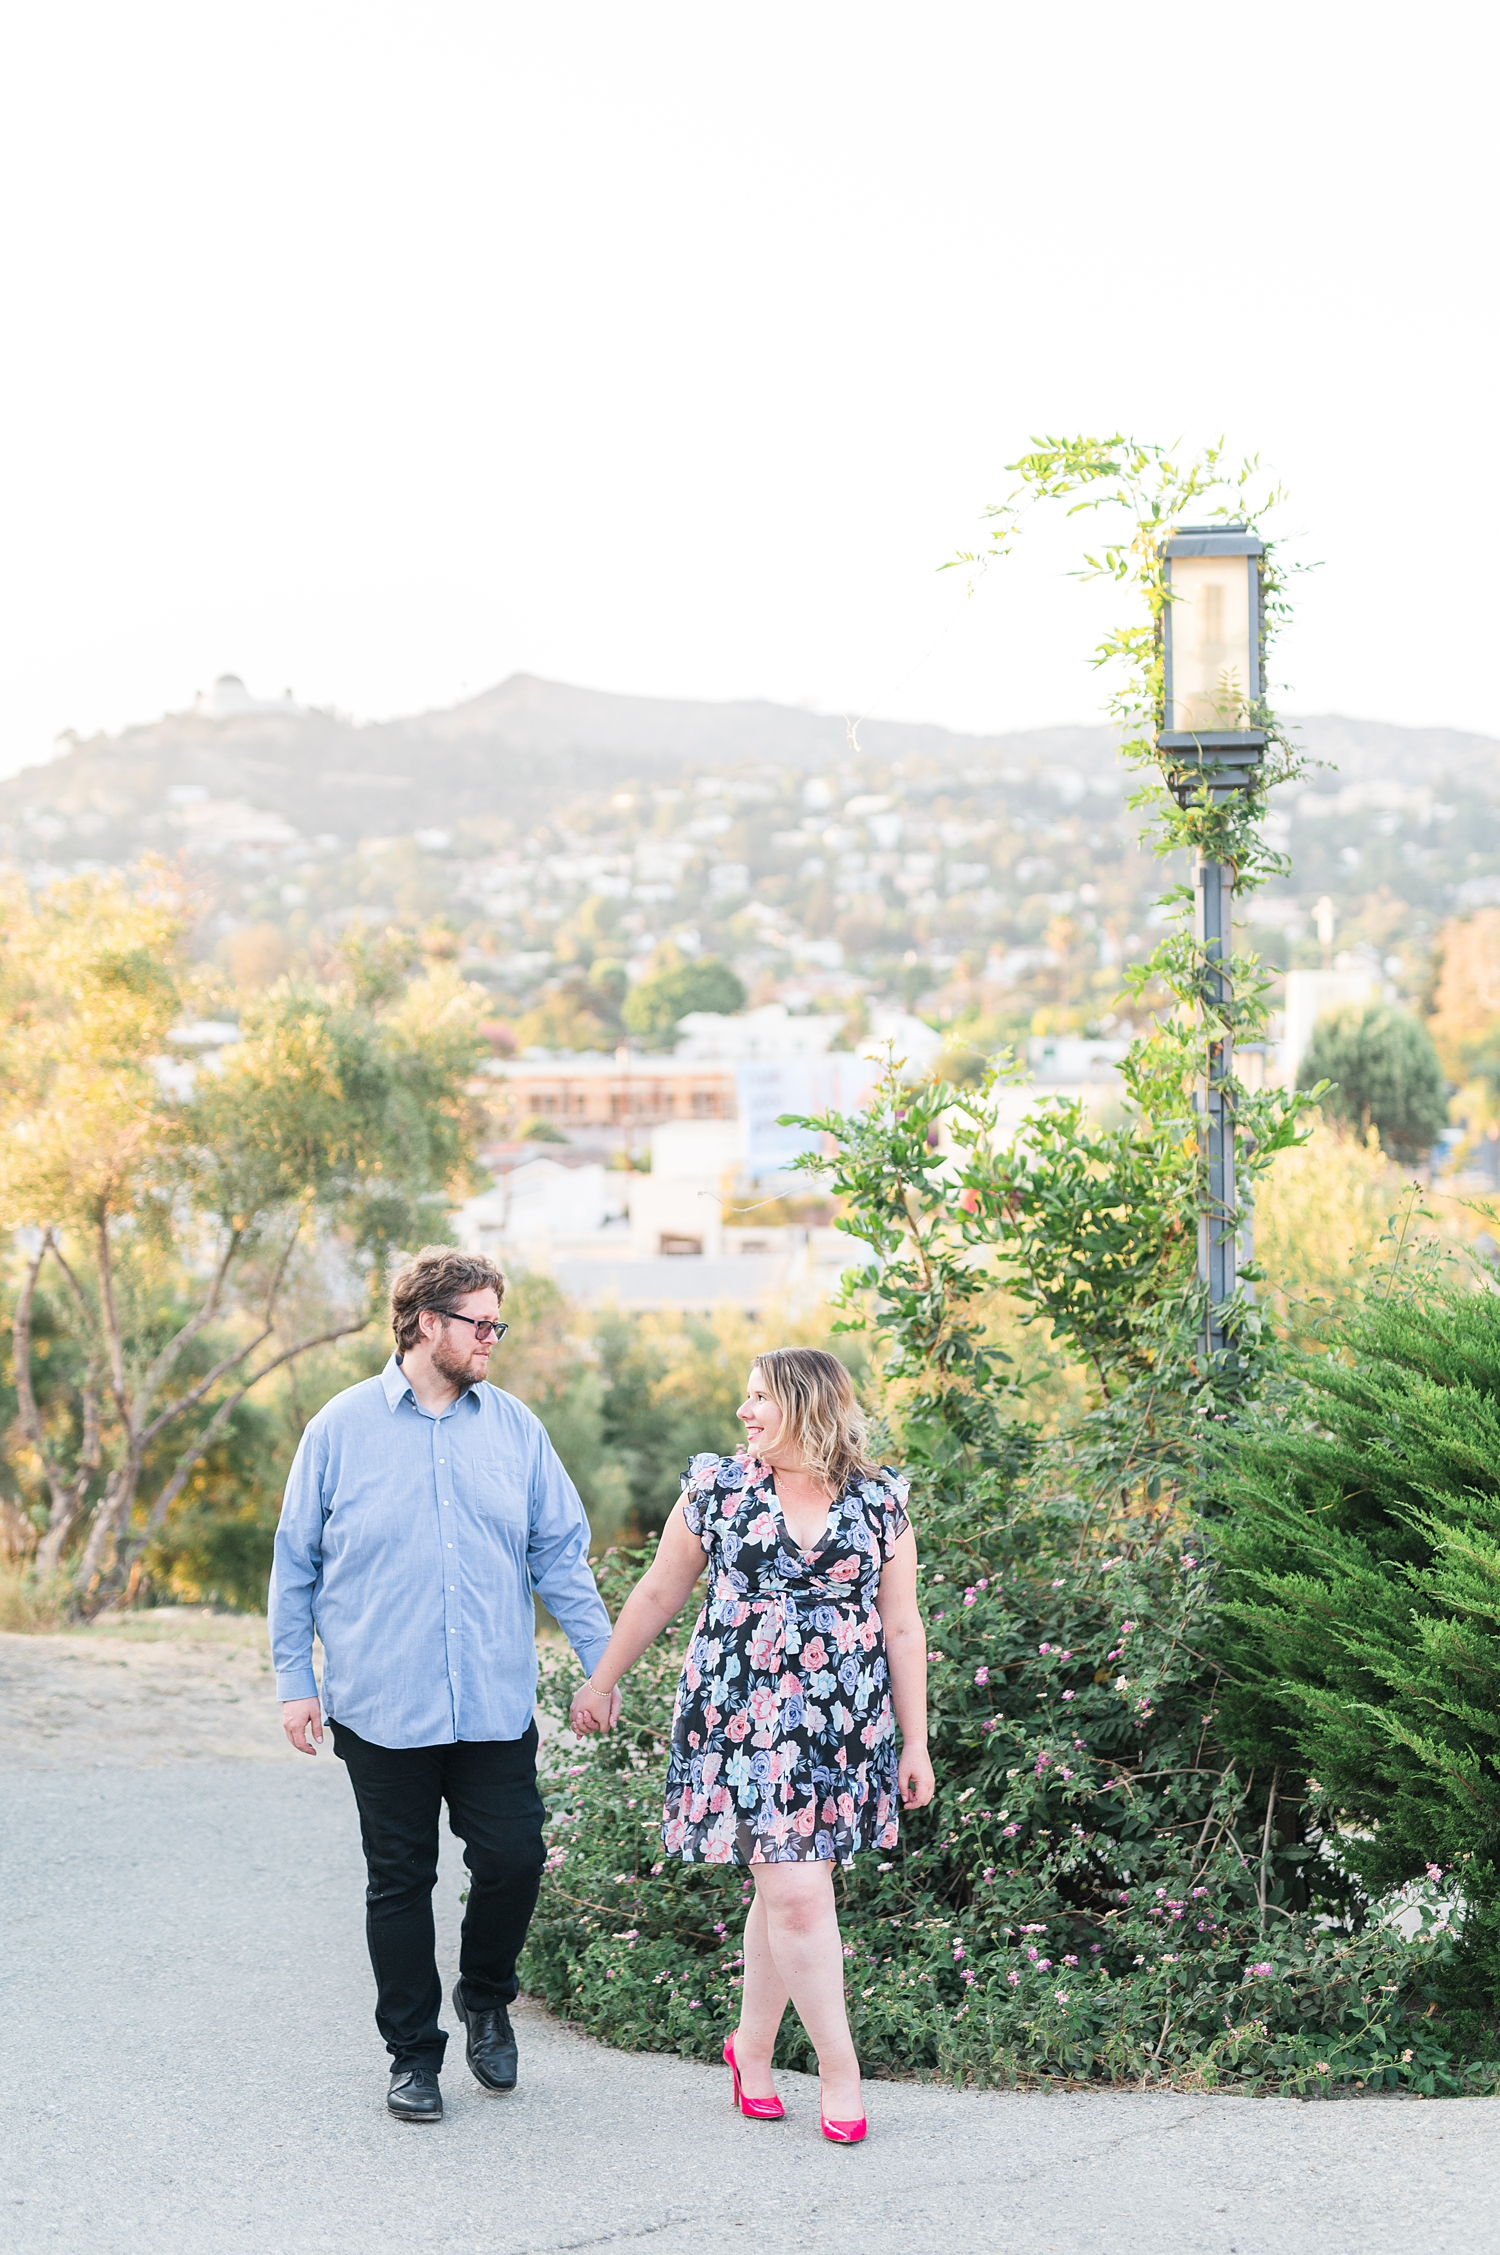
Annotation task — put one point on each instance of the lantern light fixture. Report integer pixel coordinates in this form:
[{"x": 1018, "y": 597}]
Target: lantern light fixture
[{"x": 1213, "y": 649}]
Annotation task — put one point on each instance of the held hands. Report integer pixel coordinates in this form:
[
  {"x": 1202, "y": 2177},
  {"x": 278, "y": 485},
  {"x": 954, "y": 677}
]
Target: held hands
[
  {"x": 915, "y": 1777},
  {"x": 593, "y": 1711}
]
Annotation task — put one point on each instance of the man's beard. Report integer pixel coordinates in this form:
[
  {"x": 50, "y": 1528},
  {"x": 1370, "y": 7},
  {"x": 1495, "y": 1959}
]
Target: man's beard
[{"x": 457, "y": 1370}]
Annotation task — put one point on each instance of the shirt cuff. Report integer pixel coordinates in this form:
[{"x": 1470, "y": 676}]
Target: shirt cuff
[
  {"x": 297, "y": 1683},
  {"x": 590, "y": 1654}
]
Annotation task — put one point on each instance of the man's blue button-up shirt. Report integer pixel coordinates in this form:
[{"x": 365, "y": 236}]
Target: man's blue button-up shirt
[{"x": 412, "y": 1545}]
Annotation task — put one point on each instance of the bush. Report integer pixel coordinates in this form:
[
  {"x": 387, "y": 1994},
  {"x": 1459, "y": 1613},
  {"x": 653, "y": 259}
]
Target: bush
[
  {"x": 1361, "y": 1555},
  {"x": 1089, "y": 1897},
  {"x": 1386, "y": 1075}
]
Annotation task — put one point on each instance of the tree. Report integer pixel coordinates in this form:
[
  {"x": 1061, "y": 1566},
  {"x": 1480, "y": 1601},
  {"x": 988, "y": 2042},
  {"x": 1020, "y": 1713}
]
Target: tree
[
  {"x": 195, "y": 1229},
  {"x": 1465, "y": 1021},
  {"x": 654, "y": 1008},
  {"x": 1385, "y": 1074}
]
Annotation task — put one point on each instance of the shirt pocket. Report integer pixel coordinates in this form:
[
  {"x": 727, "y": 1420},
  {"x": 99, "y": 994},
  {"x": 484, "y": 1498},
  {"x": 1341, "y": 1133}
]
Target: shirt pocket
[{"x": 499, "y": 1497}]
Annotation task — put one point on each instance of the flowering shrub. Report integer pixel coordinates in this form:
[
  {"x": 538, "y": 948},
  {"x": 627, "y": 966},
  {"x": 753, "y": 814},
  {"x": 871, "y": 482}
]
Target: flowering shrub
[{"x": 1089, "y": 1897}]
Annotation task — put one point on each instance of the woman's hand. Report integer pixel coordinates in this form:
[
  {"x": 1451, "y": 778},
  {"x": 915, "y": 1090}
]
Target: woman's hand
[
  {"x": 593, "y": 1710},
  {"x": 914, "y": 1774}
]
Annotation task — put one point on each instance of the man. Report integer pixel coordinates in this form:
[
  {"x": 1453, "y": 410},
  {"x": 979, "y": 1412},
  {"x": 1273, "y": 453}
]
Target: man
[{"x": 422, "y": 1509}]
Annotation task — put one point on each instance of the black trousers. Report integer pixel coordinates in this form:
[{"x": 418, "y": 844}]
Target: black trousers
[{"x": 494, "y": 1808}]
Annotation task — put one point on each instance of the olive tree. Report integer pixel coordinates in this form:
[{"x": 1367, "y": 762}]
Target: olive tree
[{"x": 197, "y": 1228}]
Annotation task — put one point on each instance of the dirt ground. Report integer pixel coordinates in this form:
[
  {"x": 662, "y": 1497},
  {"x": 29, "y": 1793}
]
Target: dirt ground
[{"x": 177, "y": 1683}]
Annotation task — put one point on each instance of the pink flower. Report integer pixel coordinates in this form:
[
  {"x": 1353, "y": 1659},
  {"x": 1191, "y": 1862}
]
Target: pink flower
[
  {"x": 1013, "y": 1979},
  {"x": 981, "y": 1675},
  {"x": 1260, "y": 1971},
  {"x": 1070, "y": 1695},
  {"x": 971, "y": 1597},
  {"x": 1434, "y": 1871}
]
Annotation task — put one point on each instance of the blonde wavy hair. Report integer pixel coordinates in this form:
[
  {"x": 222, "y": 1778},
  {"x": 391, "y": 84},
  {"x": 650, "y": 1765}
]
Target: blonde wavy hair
[{"x": 823, "y": 1421}]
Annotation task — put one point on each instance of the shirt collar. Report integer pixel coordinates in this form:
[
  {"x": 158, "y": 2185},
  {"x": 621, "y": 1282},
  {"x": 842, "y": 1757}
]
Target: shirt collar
[
  {"x": 394, "y": 1383},
  {"x": 396, "y": 1387}
]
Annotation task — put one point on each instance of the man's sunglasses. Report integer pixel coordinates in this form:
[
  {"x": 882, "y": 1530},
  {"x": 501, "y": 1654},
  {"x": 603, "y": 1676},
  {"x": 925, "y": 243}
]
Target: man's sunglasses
[{"x": 484, "y": 1331}]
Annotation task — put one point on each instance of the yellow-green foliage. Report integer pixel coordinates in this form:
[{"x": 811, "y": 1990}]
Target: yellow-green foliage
[
  {"x": 27, "y": 1604},
  {"x": 1332, "y": 1214}
]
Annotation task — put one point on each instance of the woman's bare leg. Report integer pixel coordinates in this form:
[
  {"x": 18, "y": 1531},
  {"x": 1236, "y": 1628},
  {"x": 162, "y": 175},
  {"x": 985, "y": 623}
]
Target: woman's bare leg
[
  {"x": 763, "y": 2000},
  {"x": 802, "y": 1930}
]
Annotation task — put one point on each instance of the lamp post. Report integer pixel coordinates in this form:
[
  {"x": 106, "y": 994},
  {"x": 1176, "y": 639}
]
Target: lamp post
[{"x": 1213, "y": 637}]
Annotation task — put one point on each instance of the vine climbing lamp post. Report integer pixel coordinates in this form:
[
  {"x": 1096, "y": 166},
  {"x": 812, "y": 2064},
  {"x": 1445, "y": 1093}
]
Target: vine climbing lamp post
[{"x": 1213, "y": 647}]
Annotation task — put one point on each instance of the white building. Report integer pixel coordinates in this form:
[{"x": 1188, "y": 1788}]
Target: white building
[{"x": 715, "y": 1037}]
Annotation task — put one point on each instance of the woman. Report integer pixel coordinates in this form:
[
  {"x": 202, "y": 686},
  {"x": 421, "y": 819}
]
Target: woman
[{"x": 783, "y": 1738}]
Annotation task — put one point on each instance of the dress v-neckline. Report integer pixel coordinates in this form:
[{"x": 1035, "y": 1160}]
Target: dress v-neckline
[{"x": 827, "y": 1534}]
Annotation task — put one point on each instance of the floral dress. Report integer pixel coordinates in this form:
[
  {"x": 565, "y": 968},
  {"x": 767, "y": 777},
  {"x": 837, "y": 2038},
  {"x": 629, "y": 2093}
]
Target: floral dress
[{"x": 783, "y": 1739}]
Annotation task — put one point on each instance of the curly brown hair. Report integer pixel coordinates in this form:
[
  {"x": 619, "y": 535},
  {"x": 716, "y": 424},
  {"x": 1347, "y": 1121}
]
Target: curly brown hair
[{"x": 434, "y": 1278}]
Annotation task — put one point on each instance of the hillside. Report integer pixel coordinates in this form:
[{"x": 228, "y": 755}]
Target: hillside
[{"x": 561, "y": 835}]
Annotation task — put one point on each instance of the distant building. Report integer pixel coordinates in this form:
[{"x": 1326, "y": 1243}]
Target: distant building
[
  {"x": 715, "y": 1036},
  {"x": 624, "y": 1092},
  {"x": 229, "y": 697},
  {"x": 657, "y": 1240}
]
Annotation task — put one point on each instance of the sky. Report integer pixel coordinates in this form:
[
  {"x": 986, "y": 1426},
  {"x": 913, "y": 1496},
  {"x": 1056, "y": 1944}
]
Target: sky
[{"x": 383, "y": 350}]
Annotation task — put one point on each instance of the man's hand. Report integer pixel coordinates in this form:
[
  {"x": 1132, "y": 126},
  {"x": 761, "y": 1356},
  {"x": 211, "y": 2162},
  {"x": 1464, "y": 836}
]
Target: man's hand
[
  {"x": 298, "y": 1717},
  {"x": 593, "y": 1711}
]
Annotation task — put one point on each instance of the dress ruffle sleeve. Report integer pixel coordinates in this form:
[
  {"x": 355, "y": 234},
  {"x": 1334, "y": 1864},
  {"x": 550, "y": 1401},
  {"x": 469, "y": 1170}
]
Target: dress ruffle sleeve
[
  {"x": 700, "y": 1496},
  {"x": 893, "y": 1515}
]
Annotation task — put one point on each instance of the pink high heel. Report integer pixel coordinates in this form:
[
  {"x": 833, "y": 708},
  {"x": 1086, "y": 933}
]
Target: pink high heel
[
  {"x": 841, "y": 2133},
  {"x": 755, "y": 2109}
]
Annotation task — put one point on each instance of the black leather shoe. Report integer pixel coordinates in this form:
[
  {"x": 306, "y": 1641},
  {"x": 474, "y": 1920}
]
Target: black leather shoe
[
  {"x": 414, "y": 2095},
  {"x": 490, "y": 2045}
]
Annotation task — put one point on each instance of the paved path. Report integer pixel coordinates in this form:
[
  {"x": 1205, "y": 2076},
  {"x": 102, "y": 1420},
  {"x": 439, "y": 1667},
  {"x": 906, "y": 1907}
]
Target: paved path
[{"x": 185, "y": 2004}]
